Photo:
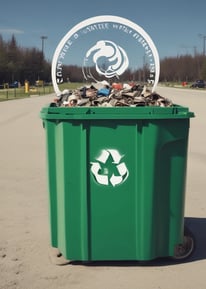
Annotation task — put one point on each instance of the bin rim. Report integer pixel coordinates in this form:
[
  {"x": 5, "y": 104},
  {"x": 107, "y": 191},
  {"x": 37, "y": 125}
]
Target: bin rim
[{"x": 148, "y": 112}]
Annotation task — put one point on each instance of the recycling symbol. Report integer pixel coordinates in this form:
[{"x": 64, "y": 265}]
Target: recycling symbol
[{"x": 109, "y": 168}]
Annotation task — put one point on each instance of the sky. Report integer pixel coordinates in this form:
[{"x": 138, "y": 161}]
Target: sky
[{"x": 176, "y": 27}]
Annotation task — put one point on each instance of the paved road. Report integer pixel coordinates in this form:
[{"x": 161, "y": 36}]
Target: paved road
[{"x": 24, "y": 236}]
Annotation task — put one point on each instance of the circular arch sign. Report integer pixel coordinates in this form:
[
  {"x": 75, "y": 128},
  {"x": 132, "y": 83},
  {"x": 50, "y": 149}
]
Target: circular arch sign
[{"x": 105, "y": 47}]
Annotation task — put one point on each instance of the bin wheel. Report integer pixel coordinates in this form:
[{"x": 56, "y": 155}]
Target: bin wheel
[
  {"x": 184, "y": 250},
  {"x": 56, "y": 257}
]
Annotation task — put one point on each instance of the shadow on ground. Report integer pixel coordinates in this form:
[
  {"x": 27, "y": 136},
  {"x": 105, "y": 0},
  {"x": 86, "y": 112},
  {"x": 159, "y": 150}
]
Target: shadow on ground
[{"x": 198, "y": 228}]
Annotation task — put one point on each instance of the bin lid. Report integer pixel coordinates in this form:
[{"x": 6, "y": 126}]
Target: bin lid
[{"x": 89, "y": 113}]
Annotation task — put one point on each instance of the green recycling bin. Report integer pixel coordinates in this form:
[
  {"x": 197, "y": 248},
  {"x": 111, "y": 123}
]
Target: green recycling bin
[{"x": 116, "y": 181}]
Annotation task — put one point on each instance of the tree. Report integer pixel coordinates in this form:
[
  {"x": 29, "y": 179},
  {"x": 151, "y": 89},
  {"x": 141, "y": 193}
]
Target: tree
[
  {"x": 203, "y": 70},
  {"x": 20, "y": 64}
]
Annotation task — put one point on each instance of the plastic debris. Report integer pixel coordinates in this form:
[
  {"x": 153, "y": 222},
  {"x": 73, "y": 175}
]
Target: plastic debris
[{"x": 103, "y": 94}]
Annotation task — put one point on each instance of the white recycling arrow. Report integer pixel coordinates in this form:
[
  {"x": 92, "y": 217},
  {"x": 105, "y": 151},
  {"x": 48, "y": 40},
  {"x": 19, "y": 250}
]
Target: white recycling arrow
[
  {"x": 115, "y": 180},
  {"x": 103, "y": 157},
  {"x": 121, "y": 168},
  {"x": 115, "y": 155},
  {"x": 101, "y": 179}
]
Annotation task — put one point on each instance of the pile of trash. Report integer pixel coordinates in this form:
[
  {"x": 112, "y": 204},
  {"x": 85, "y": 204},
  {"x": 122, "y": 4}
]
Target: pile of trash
[{"x": 105, "y": 95}]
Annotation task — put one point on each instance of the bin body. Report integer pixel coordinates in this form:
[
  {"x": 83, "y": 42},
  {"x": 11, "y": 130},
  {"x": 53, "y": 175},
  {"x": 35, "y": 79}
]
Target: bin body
[{"x": 116, "y": 181}]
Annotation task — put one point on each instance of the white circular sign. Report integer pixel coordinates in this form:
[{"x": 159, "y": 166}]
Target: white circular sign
[{"x": 107, "y": 48}]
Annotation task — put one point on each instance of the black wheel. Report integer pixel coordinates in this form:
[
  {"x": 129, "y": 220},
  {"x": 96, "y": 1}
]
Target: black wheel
[
  {"x": 56, "y": 257},
  {"x": 184, "y": 250}
]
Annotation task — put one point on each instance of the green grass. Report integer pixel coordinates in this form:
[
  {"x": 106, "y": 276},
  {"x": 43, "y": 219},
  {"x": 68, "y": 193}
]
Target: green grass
[
  {"x": 17, "y": 93},
  {"x": 71, "y": 85}
]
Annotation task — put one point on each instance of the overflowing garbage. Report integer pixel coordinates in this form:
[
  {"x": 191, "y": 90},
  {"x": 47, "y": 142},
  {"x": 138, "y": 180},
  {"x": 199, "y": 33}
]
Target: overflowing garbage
[{"x": 105, "y": 95}]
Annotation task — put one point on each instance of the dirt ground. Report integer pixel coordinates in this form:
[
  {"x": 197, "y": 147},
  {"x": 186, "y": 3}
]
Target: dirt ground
[{"x": 24, "y": 222}]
